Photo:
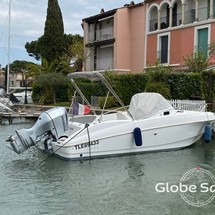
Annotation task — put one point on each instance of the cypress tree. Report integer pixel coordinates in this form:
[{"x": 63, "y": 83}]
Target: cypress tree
[{"x": 52, "y": 42}]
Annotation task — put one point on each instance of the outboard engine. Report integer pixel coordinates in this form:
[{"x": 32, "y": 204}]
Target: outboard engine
[{"x": 50, "y": 125}]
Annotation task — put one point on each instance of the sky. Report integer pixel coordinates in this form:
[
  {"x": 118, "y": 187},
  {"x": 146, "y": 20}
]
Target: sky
[{"x": 28, "y": 21}]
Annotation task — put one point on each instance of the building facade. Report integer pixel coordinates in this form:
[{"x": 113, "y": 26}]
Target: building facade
[
  {"x": 136, "y": 36},
  {"x": 179, "y": 28},
  {"x": 2, "y": 78},
  {"x": 115, "y": 39},
  {"x": 15, "y": 80}
]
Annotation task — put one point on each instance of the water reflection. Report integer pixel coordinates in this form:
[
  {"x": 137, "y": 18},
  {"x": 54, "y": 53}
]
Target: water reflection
[
  {"x": 209, "y": 151},
  {"x": 135, "y": 167}
]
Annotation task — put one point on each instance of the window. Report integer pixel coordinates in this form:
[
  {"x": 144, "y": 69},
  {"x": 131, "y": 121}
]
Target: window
[
  {"x": 163, "y": 48},
  {"x": 202, "y": 39}
]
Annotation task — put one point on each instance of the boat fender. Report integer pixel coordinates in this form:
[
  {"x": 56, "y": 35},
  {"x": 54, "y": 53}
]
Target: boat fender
[
  {"x": 138, "y": 137},
  {"x": 208, "y": 133}
]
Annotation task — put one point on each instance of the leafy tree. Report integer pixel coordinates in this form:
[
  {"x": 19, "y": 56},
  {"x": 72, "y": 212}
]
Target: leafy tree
[
  {"x": 52, "y": 43},
  {"x": 33, "y": 49},
  {"x": 45, "y": 68},
  {"x": 21, "y": 67},
  {"x": 72, "y": 60},
  {"x": 63, "y": 52},
  {"x": 50, "y": 88}
]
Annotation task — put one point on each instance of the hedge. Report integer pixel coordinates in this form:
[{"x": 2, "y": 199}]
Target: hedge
[
  {"x": 174, "y": 85},
  {"x": 185, "y": 85},
  {"x": 208, "y": 87}
]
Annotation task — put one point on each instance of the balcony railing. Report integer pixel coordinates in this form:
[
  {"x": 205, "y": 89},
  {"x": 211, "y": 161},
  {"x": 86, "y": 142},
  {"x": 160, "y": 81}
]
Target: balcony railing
[
  {"x": 101, "y": 35},
  {"x": 203, "y": 14},
  {"x": 177, "y": 20},
  {"x": 189, "y": 17},
  {"x": 153, "y": 24},
  {"x": 104, "y": 34},
  {"x": 164, "y": 23}
]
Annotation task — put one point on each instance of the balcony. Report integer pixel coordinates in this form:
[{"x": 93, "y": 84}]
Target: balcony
[
  {"x": 104, "y": 34},
  {"x": 177, "y": 20},
  {"x": 153, "y": 24},
  {"x": 101, "y": 35},
  {"x": 190, "y": 15},
  {"x": 203, "y": 14}
]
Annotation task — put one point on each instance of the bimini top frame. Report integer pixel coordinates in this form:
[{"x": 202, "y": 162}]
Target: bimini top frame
[{"x": 95, "y": 75}]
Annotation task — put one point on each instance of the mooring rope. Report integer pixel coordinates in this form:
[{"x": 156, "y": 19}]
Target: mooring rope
[{"x": 88, "y": 134}]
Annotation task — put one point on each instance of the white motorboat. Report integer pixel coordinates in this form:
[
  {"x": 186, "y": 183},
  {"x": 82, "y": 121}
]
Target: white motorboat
[
  {"x": 5, "y": 103},
  {"x": 24, "y": 97},
  {"x": 150, "y": 123}
]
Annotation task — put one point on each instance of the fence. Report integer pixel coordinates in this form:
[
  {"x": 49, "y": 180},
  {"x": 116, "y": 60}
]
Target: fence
[{"x": 195, "y": 105}]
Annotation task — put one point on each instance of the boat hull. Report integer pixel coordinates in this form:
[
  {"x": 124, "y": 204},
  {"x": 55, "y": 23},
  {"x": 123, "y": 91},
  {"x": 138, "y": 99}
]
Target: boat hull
[{"x": 118, "y": 139}]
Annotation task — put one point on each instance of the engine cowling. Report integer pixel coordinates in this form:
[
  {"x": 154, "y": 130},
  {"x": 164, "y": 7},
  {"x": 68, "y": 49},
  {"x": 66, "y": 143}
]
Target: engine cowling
[{"x": 53, "y": 122}]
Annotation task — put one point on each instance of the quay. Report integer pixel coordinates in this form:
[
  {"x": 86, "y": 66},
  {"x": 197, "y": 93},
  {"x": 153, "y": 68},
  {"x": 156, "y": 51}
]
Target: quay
[
  {"x": 11, "y": 116},
  {"x": 22, "y": 112}
]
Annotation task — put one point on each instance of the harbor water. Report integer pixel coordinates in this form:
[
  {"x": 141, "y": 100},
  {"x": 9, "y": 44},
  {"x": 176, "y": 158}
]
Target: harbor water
[{"x": 34, "y": 184}]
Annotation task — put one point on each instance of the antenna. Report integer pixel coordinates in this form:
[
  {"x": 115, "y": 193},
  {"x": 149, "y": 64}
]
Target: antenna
[{"x": 8, "y": 66}]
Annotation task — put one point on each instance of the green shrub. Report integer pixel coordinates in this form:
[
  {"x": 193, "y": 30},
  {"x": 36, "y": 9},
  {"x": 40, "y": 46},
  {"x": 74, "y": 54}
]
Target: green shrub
[
  {"x": 158, "y": 73},
  {"x": 185, "y": 85},
  {"x": 111, "y": 102},
  {"x": 127, "y": 85},
  {"x": 208, "y": 87},
  {"x": 196, "y": 62},
  {"x": 50, "y": 88},
  {"x": 159, "y": 87}
]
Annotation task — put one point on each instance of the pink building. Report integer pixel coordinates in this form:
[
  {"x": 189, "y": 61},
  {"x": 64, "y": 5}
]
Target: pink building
[
  {"x": 135, "y": 36},
  {"x": 116, "y": 39},
  {"x": 178, "y": 28}
]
